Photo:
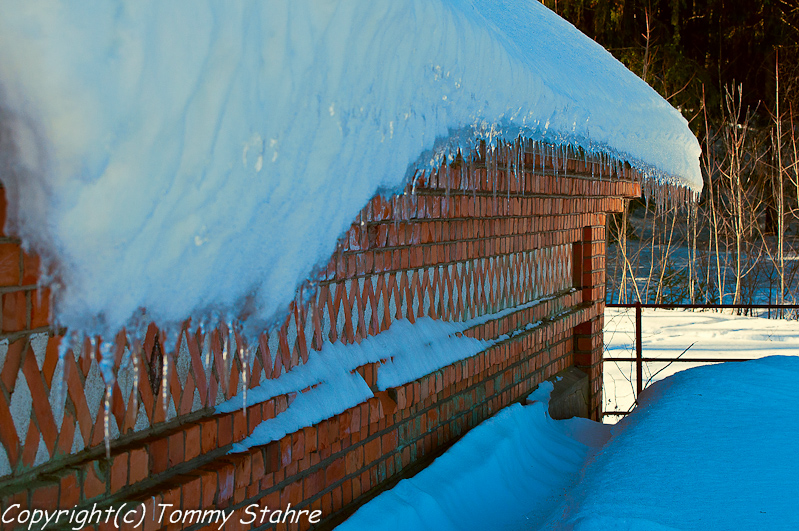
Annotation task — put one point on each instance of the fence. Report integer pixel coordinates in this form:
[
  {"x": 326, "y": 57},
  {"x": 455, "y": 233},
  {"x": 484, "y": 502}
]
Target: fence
[{"x": 639, "y": 359}]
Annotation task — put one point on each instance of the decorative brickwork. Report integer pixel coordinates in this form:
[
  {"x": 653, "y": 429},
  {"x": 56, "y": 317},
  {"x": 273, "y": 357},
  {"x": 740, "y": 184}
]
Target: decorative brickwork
[{"x": 462, "y": 242}]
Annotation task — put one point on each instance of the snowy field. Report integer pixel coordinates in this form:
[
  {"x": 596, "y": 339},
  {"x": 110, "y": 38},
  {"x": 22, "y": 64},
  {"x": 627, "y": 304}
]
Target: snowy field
[
  {"x": 667, "y": 333},
  {"x": 708, "y": 448}
]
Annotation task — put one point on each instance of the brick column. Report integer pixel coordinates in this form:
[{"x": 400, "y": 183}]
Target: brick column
[{"x": 589, "y": 277}]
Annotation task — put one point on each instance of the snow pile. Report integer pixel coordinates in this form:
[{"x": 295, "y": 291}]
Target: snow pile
[
  {"x": 194, "y": 157},
  {"x": 507, "y": 473},
  {"x": 709, "y": 448}
]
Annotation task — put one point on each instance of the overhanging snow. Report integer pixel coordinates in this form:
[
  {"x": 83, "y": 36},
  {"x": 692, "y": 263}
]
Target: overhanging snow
[{"x": 187, "y": 157}]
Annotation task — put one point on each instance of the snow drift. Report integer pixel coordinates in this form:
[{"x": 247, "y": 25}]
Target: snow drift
[
  {"x": 711, "y": 447},
  {"x": 508, "y": 473},
  {"x": 708, "y": 448},
  {"x": 195, "y": 157}
]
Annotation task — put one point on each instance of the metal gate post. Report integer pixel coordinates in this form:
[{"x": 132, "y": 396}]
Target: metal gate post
[{"x": 639, "y": 377}]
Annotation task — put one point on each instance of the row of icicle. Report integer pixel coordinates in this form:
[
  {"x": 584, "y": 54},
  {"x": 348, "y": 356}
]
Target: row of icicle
[{"x": 499, "y": 159}]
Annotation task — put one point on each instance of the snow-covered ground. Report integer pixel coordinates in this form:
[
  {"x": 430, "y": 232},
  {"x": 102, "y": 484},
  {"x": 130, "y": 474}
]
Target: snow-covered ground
[
  {"x": 708, "y": 448},
  {"x": 508, "y": 473},
  {"x": 667, "y": 333}
]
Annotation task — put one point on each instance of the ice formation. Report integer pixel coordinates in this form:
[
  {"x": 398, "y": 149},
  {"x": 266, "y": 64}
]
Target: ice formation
[{"x": 194, "y": 158}]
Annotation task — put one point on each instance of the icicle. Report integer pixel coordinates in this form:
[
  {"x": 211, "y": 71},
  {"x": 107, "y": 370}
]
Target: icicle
[
  {"x": 507, "y": 173},
  {"x": 555, "y": 162},
  {"x": 521, "y": 180},
  {"x": 606, "y": 163},
  {"x": 463, "y": 183},
  {"x": 492, "y": 171},
  {"x": 135, "y": 360},
  {"x": 107, "y": 371},
  {"x": 568, "y": 155},
  {"x": 556, "y": 153},
  {"x": 247, "y": 353},
  {"x": 542, "y": 155},
  {"x": 240, "y": 347},
  {"x": 139, "y": 332},
  {"x": 164, "y": 380},
  {"x": 517, "y": 162},
  {"x": 556, "y": 149},
  {"x": 465, "y": 180},
  {"x": 601, "y": 164},
  {"x": 226, "y": 361},
  {"x": 225, "y": 340},
  {"x": 206, "y": 352},
  {"x": 60, "y": 391},
  {"x": 556, "y": 159}
]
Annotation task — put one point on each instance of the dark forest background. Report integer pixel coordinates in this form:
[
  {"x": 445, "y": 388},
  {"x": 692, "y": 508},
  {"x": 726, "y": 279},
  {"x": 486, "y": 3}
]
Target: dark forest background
[
  {"x": 682, "y": 46},
  {"x": 732, "y": 68}
]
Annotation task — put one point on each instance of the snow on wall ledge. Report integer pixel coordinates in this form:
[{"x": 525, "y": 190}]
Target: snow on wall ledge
[{"x": 194, "y": 158}]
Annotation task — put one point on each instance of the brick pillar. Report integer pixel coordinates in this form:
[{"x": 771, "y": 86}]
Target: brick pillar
[{"x": 589, "y": 277}]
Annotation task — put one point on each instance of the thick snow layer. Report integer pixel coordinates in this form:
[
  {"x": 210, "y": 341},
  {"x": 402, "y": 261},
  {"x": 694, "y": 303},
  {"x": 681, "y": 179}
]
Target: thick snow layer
[
  {"x": 709, "y": 448},
  {"x": 195, "y": 157},
  {"x": 192, "y": 156},
  {"x": 667, "y": 333},
  {"x": 508, "y": 473}
]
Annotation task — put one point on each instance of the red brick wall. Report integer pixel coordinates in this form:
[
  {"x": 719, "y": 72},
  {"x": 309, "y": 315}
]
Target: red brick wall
[{"x": 466, "y": 242}]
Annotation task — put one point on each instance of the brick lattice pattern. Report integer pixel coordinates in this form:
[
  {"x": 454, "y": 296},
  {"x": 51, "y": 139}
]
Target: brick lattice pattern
[{"x": 462, "y": 242}]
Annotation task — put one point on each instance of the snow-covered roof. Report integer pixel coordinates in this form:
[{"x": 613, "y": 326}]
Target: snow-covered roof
[{"x": 183, "y": 156}]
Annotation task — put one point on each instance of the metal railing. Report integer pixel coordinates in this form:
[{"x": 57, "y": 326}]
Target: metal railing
[{"x": 639, "y": 358}]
